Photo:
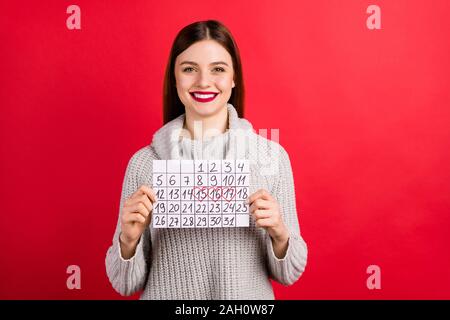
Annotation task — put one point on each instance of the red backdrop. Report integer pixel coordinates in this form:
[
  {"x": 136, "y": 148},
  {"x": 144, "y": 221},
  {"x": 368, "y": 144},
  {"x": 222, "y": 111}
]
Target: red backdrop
[{"x": 364, "y": 115}]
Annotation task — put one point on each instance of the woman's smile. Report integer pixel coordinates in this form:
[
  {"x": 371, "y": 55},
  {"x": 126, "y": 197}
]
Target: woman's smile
[{"x": 204, "y": 96}]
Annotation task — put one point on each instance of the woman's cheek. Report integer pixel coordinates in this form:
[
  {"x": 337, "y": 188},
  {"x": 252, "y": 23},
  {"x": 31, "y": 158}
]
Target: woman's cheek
[
  {"x": 184, "y": 84},
  {"x": 225, "y": 84}
]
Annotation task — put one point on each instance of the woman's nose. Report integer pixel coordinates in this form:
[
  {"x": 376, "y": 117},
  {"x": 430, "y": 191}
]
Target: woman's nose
[{"x": 203, "y": 79}]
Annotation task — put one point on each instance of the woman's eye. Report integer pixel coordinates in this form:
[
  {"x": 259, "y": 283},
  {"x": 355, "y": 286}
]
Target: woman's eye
[
  {"x": 219, "y": 69},
  {"x": 187, "y": 68}
]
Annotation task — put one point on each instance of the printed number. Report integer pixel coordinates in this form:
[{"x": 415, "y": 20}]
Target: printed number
[
  {"x": 159, "y": 180},
  {"x": 241, "y": 207},
  {"x": 228, "y": 180},
  {"x": 215, "y": 194},
  {"x": 229, "y": 193},
  {"x": 172, "y": 180},
  {"x": 229, "y": 207},
  {"x": 199, "y": 208},
  {"x": 242, "y": 194},
  {"x": 213, "y": 169},
  {"x": 160, "y": 207},
  {"x": 188, "y": 221},
  {"x": 173, "y": 221},
  {"x": 228, "y": 221},
  {"x": 214, "y": 221},
  {"x": 186, "y": 206},
  {"x": 174, "y": 194},
  {"x": 201, "y": 222},
  {"x": 201, "y": 194},
  {"x": 160, "y": 194},
  {"x": 214, "y": 207},
  {"x": 228, "y": 167},
  {"x": 174, "y": 207},
  {"x": 241, "y": 180},
  {"x": 187, "y": 194},
  {"x": 160, "y": 221}
]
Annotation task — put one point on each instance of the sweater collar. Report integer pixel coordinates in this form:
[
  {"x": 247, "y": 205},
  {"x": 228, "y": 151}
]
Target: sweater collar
[{"x": 166, "y": 139}]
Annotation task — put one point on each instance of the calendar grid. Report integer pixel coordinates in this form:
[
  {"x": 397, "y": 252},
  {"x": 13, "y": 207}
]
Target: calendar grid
[{"x": 201, "y": 193}]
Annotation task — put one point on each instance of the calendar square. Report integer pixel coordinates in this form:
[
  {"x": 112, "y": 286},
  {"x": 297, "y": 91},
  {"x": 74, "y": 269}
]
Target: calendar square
[
  {"x": 159, "y": 221},
  {"x": 187, "y": 166},
  {"x": 242, "y": 220},
  {"x": 188, "y": 221},
  {"x": 228, "y": 220},
  {"x": 173, "y": 166},
  {"x": 173, "y": 208},
  {"x": 187, "y": 207},
  {"x": 161, "y": 193},
  {"x": 242, "y": 179},
  {"x": 187, "y": 180},
  {"x": 214, "y": 207},
  {"x": 228, "y": 166},
  {"x": 215, "y": 221},
  {"x": 173, "y": 180},
  {"x": 159, "y": 180},
  {"x": 242, "y": 207},
  {"x": 214, "y": 179},
  {"x": 187, "y": 194},
  {"x": 174, "y": 221},
  {"x": 242, "y": 193},
  {"x": 201, "y": 179},
  {"x": 201, "y": 166},
  {"x": 159, "y": 166},
  {"x": 160, "y": 208},
  {"x": 214, "y": 167},
  {"x": 174, "y": 194},
  {"x": 242, "y": 166},
  {"x": 201, "y": 221}
]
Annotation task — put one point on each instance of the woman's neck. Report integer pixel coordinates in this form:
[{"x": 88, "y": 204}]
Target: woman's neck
[{"x": 199, "y": 127}]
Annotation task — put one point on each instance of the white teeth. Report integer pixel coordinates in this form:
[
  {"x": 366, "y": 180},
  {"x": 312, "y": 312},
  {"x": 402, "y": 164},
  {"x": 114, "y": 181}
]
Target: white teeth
[{"x": 203, "y": 96}]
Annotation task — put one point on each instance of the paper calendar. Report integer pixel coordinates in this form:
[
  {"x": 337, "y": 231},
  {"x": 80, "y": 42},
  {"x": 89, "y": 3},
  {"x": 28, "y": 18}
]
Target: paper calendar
[{"x": 201, "y": 193}]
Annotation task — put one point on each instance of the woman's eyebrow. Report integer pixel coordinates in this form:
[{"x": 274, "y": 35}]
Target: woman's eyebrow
[{"x": 196, "y": 64}]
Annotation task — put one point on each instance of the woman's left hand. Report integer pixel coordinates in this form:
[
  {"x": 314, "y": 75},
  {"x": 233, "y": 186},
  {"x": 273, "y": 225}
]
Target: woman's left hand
[{"x": 266, "y": 212}]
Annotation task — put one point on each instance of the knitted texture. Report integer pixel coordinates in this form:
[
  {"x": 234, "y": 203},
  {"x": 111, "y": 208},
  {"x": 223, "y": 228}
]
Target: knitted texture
[{"x": 210, "y": 263}]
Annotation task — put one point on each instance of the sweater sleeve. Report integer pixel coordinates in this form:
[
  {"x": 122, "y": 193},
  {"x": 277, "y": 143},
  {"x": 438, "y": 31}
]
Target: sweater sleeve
[
  {"x": 127, "y": 276},
  {"x": 288, "y": 269}
]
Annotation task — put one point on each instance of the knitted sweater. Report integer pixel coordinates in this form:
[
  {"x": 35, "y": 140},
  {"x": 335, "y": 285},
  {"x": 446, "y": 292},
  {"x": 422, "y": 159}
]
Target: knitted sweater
[{"x": 210, "y": 263}]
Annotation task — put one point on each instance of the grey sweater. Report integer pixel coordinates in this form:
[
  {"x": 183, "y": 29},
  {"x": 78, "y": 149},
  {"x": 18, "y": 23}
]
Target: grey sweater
[{"x": 215, "y": 263}]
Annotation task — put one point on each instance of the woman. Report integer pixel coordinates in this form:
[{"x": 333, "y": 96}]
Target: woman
[{"x": 203, "y": 109}]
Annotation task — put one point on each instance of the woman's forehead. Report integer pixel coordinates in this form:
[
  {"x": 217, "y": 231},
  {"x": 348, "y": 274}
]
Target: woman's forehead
[{"x": 204, "y": 52}]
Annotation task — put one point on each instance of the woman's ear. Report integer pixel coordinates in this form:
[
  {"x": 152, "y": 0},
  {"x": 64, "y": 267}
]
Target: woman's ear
[{"x": 233, "y": 85}]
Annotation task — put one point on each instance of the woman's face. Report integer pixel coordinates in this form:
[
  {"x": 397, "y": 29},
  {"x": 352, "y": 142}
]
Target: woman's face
[{"x": 204, "y": 78}]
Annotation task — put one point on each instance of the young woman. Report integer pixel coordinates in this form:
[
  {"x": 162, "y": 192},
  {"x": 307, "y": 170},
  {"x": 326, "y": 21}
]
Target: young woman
[{"x": 203, "y": 110}]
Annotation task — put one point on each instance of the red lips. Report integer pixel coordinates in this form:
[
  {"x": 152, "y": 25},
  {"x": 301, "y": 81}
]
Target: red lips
[{"x": 203, "y": 99}]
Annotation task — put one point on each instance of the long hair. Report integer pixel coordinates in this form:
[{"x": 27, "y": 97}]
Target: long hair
[{"x": 197, "y": 31}]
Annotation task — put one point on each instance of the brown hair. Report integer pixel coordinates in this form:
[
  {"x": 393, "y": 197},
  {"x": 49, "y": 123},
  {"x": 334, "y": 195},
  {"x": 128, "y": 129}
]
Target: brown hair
[{"x": 197, "y": 31}]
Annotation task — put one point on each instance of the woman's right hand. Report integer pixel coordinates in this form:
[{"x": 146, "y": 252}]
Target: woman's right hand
[{"x": 136, "y": 215}]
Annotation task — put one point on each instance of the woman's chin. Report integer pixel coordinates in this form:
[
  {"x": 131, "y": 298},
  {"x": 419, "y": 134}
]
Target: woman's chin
[{"x": 205, "y": 109}]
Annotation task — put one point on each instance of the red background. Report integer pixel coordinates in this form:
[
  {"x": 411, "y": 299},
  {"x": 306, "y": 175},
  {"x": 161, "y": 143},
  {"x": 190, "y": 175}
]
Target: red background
[{"x": 364, "y": 115}]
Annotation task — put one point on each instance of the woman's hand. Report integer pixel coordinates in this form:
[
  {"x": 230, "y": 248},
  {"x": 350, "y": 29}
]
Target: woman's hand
[
  {"x": 136, "y": 216},
  {"x": 266, "y": 212}
]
